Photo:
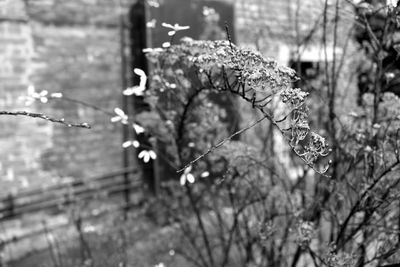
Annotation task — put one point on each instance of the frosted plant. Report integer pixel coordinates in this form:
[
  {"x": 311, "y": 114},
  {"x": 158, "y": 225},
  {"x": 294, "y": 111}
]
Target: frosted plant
[{"x": 222, "y": 66}]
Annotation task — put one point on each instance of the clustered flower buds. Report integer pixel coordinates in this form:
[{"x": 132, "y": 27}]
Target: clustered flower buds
[
  {"x": 299, "y": 125},
  {"x": 317, "y": 143},
  {"x": 305, "y": 233},
  {"x": 265, "y": 230},
  {"x": 300, "y": 130},
  {"x": 334, "y": 259},
  {"x": 294, "y": 97},
  {"x": 317, "y": 147}
]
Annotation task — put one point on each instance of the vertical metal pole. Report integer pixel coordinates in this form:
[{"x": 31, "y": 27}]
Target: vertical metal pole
[
  {"x": 156, "y": 162},
  {"x": 125, "y": 106},
  {"x": 138, "y": 37}
]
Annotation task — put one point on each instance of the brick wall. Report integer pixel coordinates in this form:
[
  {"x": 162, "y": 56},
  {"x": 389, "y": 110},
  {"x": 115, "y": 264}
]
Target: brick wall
[
  {"x": 19, "y": 137},
  {"x": 60, "y": 46},
  {"x": 82, "y": 63},
  {"x": 77, "y": 45}
]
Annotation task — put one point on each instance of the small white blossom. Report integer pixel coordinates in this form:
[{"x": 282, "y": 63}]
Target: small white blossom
[
  {"x": 129, "y": 143},
  {"x": 146, "y": 155},
  {"x": 368, "y": 149},
  {"x": 207, "y": 11},
  {"x": 353, "y": 114},
  {"x": 138, "y": 89},
  {"x": 151, "y": 23},
  {"x": 138, "y": 129},
  {"x": 142, "y": 74},
  {"x": 121, "y": 116},
  {"x": 42, "y": 96},
  {"x": 191, "y": 144},
  {"x": 151, "y": 50},
  {"x": 134, "y": 90},
  {"x": 376, "y": 126},
  {"x": 170, "y": 85},
  {"x": 187, "y": 40},
  {"x": 389, "y": 75},
  {"x": 160, "y": 265},
  {"x": 31, "y": 89},
  {"x": 187, "y": 176},
  {"x": 204, "y": 174},
  {"x": 153, "y": 3},
  {"x": 89, "y": 229},
  {"x": 174, "y": 28},
  {"x": 56, "y": 95},
  {"x": 166, "y": 44}
]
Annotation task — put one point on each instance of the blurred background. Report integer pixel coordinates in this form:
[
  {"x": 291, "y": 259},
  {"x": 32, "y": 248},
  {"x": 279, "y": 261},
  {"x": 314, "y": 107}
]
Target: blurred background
[{"x": 76, "y": 197}]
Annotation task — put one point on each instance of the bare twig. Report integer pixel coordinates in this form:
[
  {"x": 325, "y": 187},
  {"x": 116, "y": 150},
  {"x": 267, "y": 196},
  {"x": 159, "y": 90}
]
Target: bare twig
[
  {"x": 211, "y": 149},
  {"x": 228, "y": 35},
  {"x": 86, "y": 104},
  {"x": 45, "y": 117}
]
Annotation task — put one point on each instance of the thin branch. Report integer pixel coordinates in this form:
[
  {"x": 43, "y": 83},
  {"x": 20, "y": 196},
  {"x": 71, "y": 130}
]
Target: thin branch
[
  {"x": 222, "y": 143},
  {"x": 355, "y": 207},
  {"x": 86, "y": 104},
  {"x": 201, "y": 225},
  {"x": 228, "y": 35},
  {"x": 47, "y": 118}
]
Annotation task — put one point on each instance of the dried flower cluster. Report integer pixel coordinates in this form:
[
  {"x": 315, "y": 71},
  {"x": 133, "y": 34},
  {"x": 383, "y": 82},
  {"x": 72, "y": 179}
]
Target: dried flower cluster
[
  {"x": 222, "y": 66},
  {"x": 332, "y": 259},
  {"x": 305, "y": 233},
  {"x": 316, "y": 148},
  {"x": 294, "y": 97}
]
